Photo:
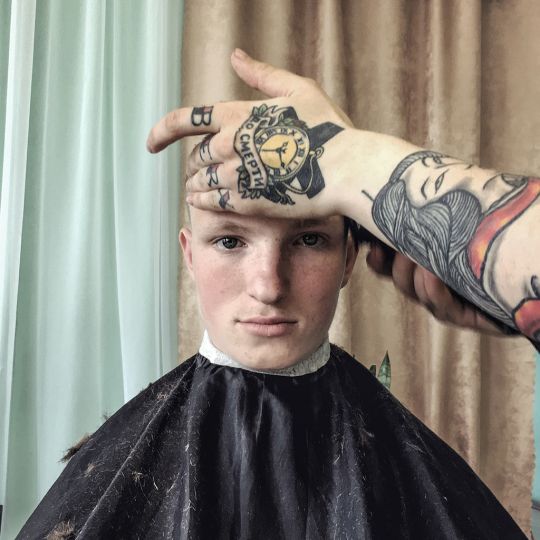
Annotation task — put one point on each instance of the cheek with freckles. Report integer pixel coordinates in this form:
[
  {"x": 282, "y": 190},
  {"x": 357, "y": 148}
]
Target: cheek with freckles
[
  {"x": 316, "y": 291},
  {"x": 217, "y": 287}
]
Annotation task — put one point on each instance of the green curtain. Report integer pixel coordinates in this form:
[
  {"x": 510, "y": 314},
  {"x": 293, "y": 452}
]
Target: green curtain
[{"x": 88, "y": 225}]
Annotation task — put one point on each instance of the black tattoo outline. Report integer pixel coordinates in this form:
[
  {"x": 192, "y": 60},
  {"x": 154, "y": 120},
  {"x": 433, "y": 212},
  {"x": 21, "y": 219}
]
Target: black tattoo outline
[
  {"x": 211, "y": 173},
  {"x": 364, "y": 192},
  {"x": 224, "y": 198},
  {"x": 204, "y": 148},
  {"x": 441, "y": 234},
  {"x": 279, "y": 154},
  {"x": 202, "y": 116},
  {"x": 535, "y": 285}
]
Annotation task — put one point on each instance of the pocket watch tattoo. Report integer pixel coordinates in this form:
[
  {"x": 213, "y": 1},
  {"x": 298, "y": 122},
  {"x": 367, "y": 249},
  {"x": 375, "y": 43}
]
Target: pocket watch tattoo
[{"x": 279, "y": 154}]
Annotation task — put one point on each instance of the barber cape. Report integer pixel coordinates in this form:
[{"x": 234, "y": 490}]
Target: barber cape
[{"x": 214, "y": 450}]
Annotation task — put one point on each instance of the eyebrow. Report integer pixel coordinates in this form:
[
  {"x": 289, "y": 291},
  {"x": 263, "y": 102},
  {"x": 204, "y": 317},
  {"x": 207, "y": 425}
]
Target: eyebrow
[
  {"x": 228, "y": 224},
  {"x": 302, "y": 223}
]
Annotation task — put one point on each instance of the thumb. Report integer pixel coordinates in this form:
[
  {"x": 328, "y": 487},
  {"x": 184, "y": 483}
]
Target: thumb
[{"x": 268, "y": 79}]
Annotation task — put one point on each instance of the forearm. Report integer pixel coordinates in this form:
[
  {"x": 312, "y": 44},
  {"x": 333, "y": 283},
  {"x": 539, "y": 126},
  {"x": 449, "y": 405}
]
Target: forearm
[
  {"x": 296, "y": 155},
  {"x": 472, "y": 227}
]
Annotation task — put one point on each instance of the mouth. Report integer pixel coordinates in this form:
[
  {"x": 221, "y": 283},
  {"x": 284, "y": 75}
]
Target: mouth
[{"x": 268, "y": 326}]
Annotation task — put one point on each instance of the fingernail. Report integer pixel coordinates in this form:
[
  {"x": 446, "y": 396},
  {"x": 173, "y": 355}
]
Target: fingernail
[
  {"x": 189, "y": 199},
  {"x": 240, "y": 54}
]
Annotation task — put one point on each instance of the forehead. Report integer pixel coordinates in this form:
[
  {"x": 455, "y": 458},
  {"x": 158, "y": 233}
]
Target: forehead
[{"x": 207, "y": 221}]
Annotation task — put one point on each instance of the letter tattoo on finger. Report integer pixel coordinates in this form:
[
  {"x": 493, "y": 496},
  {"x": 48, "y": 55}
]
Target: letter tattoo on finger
[
  {"x": 211, "y": 172},
  {"x": 224, "y": 198},
  {"x": 202, "y": 116},
  {"x": 279, "y": 154},
  {"x": 204, "y": 149}
]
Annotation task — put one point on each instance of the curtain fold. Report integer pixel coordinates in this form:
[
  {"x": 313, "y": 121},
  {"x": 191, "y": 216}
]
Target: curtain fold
[
  {"x": 459, "y": 77},
  {"x": 87, "y": 304},
  {"x": 18, "y": 37}
]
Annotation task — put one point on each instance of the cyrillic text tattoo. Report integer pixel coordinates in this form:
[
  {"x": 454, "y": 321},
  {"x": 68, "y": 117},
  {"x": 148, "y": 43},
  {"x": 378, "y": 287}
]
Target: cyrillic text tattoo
[{"x": 279, "y": 154}]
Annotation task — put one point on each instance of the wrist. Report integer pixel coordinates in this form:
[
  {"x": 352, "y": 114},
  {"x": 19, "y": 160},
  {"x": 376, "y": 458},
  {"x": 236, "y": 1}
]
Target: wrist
[{"x": 367, "y": 161}]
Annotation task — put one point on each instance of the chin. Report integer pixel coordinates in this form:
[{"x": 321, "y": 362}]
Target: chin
[{"x": 270, "y": 356}]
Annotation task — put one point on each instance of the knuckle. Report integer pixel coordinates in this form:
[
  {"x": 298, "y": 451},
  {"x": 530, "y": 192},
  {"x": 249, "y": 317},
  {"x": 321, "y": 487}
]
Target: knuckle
[
  {"x": 221, "y": 145},
  {"x": 227, "y": 171}
]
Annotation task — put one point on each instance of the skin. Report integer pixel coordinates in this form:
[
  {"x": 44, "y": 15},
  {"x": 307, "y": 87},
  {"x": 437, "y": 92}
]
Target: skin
[
  {"x": 246, "y": 267},
  {"x": 350, "y": 172}
]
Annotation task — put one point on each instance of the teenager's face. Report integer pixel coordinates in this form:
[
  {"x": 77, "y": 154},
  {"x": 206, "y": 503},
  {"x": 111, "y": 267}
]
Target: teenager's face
[{"x": 267, "y": 288}]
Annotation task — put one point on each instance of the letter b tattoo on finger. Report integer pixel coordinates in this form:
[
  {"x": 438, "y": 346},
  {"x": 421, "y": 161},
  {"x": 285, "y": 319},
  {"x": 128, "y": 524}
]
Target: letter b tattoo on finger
[{"x": 202, "y": 116}]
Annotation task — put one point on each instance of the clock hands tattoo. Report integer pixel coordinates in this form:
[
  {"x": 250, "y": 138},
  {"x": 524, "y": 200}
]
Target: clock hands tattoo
[{"x": 279, "y": 155}]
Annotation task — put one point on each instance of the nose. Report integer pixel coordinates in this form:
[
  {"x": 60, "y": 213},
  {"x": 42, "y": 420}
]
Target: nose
[{"x": 268, "y": 275}]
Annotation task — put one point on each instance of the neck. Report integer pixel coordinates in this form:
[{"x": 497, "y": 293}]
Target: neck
[{"x": 306, "y": 365}]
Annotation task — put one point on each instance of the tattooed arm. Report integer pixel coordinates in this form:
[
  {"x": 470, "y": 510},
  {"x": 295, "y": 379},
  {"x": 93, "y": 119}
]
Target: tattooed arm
[
  {"x": 471, "y": 227},
  {"x": 298, "y": 155}
]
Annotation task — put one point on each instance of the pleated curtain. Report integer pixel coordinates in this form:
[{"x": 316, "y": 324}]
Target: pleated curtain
[
  {"x": 88, "y": 225},
  {"x": 88, "y": 220},
  {"x": 459, "y": 76}
]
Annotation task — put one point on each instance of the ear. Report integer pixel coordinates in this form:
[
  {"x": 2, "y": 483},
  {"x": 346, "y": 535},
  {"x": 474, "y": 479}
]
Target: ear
[
  {"x": 350, "y": 259},
  {"x": 185, "y": 238}
]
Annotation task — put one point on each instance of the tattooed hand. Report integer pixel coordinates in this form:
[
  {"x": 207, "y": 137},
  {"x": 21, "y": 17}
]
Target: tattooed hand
[
  {"x": 266, "y": 156},
  {"x": 297, "y": 155}
]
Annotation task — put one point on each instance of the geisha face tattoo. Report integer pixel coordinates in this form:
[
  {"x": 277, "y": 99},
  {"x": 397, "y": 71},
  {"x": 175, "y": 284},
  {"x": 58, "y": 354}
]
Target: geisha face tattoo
[
  {"x": 461, "y": 222},
  {"x": 267, "y": 288},
  {"x": 279, "y": 154}
]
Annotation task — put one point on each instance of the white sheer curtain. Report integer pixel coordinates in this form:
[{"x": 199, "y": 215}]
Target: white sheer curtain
[{"x": 88, "y": 224}]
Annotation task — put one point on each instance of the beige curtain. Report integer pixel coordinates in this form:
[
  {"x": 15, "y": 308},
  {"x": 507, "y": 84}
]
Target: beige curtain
[{"x": 459, "y": 76}]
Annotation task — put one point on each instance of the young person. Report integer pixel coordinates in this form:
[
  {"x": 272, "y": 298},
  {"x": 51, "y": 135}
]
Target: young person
[
  {"x": 269, "y": 432},
  {"x": 465, "y": 236}
]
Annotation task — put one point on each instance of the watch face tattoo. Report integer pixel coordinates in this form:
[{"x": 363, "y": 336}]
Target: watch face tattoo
[
  {"x": 211, "y": 173},
  {"x": 204, "y": 149},
  {"x": 224, "y": 198},
  {"x": 431, "y": 211},
  {"x": 279, "y": 155},
  {"x": 202, "y": 116}
]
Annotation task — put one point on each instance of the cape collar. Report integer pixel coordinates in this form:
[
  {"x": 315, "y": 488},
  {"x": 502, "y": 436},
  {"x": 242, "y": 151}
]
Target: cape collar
[{"x": 307, "y": 365}]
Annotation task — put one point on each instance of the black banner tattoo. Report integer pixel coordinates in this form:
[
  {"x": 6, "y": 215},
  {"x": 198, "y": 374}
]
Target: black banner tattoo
[
  {"x": 224, "y": 198},
  {"x": 428, "y": 211},
  {"x": 204, "y": 149},
  {"x": 202, "y": 115},
  {"x": 279, "y": 154},
  {"x": 211, "y": 172}
]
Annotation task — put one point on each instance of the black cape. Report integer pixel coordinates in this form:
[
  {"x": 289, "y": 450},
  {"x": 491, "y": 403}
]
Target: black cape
[{"x": 215, "y": 452}]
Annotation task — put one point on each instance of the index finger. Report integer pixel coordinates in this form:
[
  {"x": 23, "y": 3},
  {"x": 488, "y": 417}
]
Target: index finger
[{"x": 184, "y": 122}]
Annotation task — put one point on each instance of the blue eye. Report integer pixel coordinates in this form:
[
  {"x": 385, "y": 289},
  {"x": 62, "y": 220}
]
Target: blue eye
[{"x": 228, "y": 242}]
